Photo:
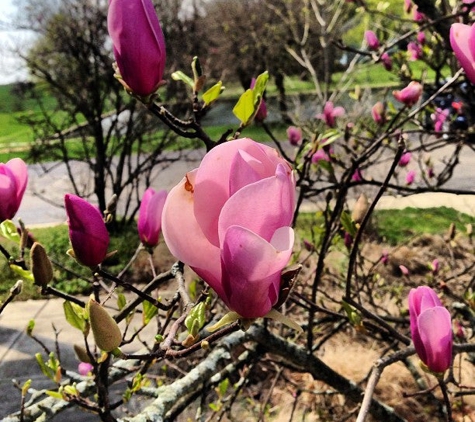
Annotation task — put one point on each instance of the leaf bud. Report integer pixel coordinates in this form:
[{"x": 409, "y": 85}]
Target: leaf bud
[
  {"x": 41, "y": 266},
  {"x": 106, "y": 332}
]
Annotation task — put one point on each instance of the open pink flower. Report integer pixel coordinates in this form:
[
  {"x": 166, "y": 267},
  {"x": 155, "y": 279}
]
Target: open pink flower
[
  {"x": 330, "y": 113},
  {"x": 87, "y": 231},
  {"x": 150, "y": 216},
  {"x": 431, "y": 329},
  {"x": 229, "y": 220},
  {"x": 13, "y": 181},
  {"x": 139, "y": 45},
  {"x": 294, "y": 135},
  {"x": 372, "y": 40},
  {"x": 410, "y": 94},
  {"x": 462, "y": 40}
]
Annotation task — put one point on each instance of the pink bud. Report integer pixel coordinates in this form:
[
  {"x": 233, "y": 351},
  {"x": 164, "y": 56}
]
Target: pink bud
[
  {"x": 435, "y": 266},
  {"x": 414, "y": 51},
  {"x": 439, "y": 118},
  {"x": 357, "y": 176},
  {"x": 462, "y": 40},
  {"x": 431, "y": 329},
  {"x": 85, "y": 368},
  {"x": 372, "y": 40},
  {"x": 410, "y": 177},
  {"x": 320, "y": 155},
  {"x": 139, "y": 45},
  {"x": 384, "y": 258},
  {"x": 13, "y": 181},
  {"x": 421, "y": 38},
  {"x": 387, "y": 62},
  {"x": 330, "y": 113},
  {"x": 150, "y": 216},
  {"x": 410, "y": 94},
  {"x": 261, "y": 114},
  {"x": 348, "y": 240},
  {"x": 404, "y": 270},
  {"x": 294, "y": 135},
  {"x": 87, "y": 231},
  {"x": 230, "y": 219},
  {"x": 405, "y": 159},
  {"x": 407, "y": 6},
  {"x": 418, "y": 16},
  {"x": 378, "y": 113}
]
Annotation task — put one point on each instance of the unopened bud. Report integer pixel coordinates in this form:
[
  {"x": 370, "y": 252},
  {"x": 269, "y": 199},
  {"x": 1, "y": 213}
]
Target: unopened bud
[
  {"x": 41, "y": 266},
  {"x": 360, "y": 209},
  {"x": 106, "y": 332},
  {"x": 81, "y": 354}
]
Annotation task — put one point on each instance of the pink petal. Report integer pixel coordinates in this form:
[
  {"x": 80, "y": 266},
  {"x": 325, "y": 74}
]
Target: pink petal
[
  {"x": 261, "y": 207},
  {"x": 462, "y": 42},
  {"x": 338, "y": 111},
  {"x": 435, "y": 329},
  {"x": 252, "y": 269},
  {"x": 184, "y": 237}
]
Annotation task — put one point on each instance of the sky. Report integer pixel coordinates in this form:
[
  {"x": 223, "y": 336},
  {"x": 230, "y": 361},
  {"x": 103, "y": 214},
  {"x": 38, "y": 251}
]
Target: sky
[{"x": 11, "y": 68}]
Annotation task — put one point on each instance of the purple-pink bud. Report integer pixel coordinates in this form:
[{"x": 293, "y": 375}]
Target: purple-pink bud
[
  {"x": 387, "y": 62},
  {"x": 410, "y": 94},
  {"x": 150, "y": 216},
  {"x": 330, "y": 113},
  {"x": 87, "y": 231},
  {"x": 357, "y": 176},
  {"x": 261, "y": 114},
  {"x": 431, "y": 329},
  {"x": 139, "y": 44},
  {"x": 410, "y": 177},
  {"x": 372, "y": 40},
  {"x": 85, "y": 368},
  {"x": 404, "y": 270},
  {"x": 405, "y": 159},
  {"x": 13, "y": 181},
  {"x": 378, "y": 113},
  {"x": 414, "y": 51},
  {"x": 294, "y": 135}
]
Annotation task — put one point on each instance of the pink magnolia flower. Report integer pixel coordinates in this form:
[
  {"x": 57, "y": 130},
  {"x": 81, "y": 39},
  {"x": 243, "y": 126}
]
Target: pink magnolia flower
[
  {"x": 320, "y": 155},
  {"x": 439, "y": 117},
  {"x": 386, "y": 61},
  {"x": 150, "y": 216},
  {"x": 294, "y": 135},
  {"x": 410, "y": 94},
  {"x": 261, "y": 114},
  {"x": 408, "y": 6},
  {"x": 378, "y": 113},
  {"x": 410, "y": 177},
  {"x": 85, "y": 368},
  {"x": 229, "y": 220},
  {"x": 431, "y": 329},
  {"x": 87, "y": 231},
  {"x": 13, "y": 181},
  {"x": 330, "y": 113},
  {"x": 372, "y": 40},
  {"x": 462, "y": 40},
  {"x": 418, "y": 16},
  {"x": 421, "y": 38},
  {"x": 405, "y": 159},
  {"x": 414, "y": 51},
  {"x": 139, "y": 44}
]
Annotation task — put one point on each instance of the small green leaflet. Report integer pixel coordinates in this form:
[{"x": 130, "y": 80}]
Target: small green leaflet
[
  {"x": 74, "y": 315},
  {"x": 212, "y": 94},
  {"x": 180, "y": 76},
  {"x": 9, "y": 230}
]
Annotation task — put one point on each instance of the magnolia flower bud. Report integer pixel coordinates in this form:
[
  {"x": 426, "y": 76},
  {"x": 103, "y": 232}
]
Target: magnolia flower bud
[
  {"x": 360, "y": 209},
  {"x": 40, "y": 265},
  {"x": 106, "y": 332},
  {"x": 81, "y": 353}
]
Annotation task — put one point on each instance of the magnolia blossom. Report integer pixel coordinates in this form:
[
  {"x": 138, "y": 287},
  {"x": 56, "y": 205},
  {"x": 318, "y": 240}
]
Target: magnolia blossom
[
  {"x": 378, "y": 113},
  {"x": 439, "y": 118},
  {"x": 407, "y": 6},
  {"x": 386, "y": 61},
  {"x": 410, "y": 94},
  {"x": 230, "y": 219},
  {"x": 150, "y": 216},
  {"x": 421, "y": 38},
  {"x": 139, "y": 44},
  {"x": 405, "y": 159},
  {"x": 417, "y": 16},
  {"x": 87, "y": 231},
  {"x": 320, "y": 155},
  {"x": 410, "y": 177},
  {"x": 294, "y": 135},
  {"x": 85, "y": 368},
  {"x": 372, "y": 40},
  {"x": 330, "y": 113},
  {"x": 13, "y": 181},
  {"x": 431, "y": 329},
  {"x": 414, "y": 51},
  {"x": 462, "y": 40}
]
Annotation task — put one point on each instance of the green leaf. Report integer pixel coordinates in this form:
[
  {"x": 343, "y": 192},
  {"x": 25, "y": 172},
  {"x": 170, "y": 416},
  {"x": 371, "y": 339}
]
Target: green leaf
[
  {"x": 25, "y": 274},
  {"x": 347, "y": 223},
  {"x": 244, "y": 109},
  {"x": 180, "y": 76},
  {"x": 223, "y": 387},
  {"x": 30, "y": 327},
  {"x": 54, "y": 394},
  {"x": 212, "y": 94},
  {"x": 9, "y": 230},
  {"x": 25, "y": 387},
  {"x": 149, "y": 311},
  {"x": 121, "y": 301},
  {"x": 196, "y": 318},
  {"x": 74, "y": 315},
  {"x": 261, "y": 84},
  {"x": 46, "y": 371}
]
